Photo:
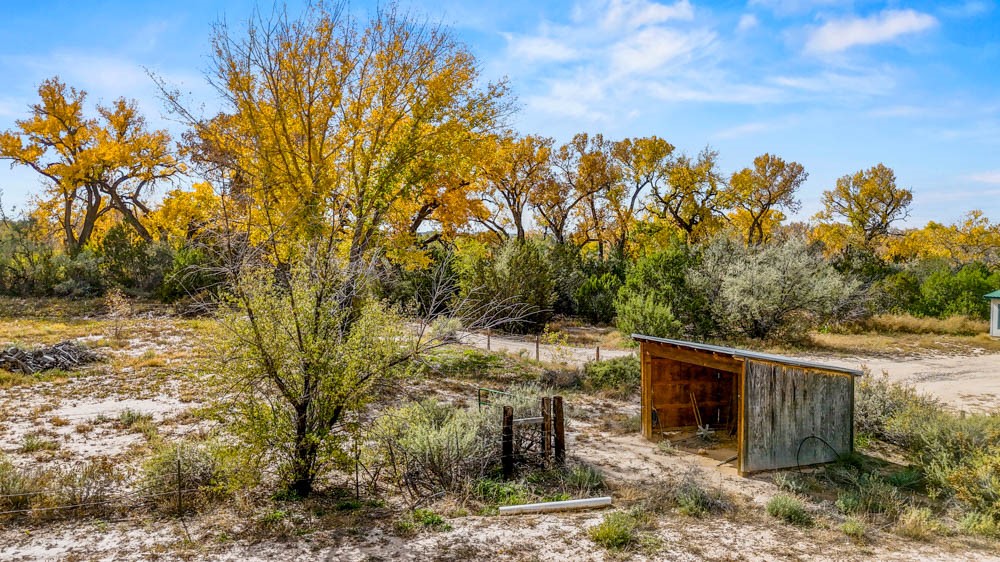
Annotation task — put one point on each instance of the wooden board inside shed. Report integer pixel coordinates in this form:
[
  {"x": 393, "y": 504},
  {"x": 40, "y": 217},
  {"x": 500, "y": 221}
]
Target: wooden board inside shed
[{"x": 673, "y": 382}]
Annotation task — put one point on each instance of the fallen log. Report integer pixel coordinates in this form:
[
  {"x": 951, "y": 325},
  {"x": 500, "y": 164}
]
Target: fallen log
[{"x": 568, "y": 505}]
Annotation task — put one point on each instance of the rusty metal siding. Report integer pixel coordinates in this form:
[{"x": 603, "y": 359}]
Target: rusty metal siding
[{"x": 786, "y": 405}]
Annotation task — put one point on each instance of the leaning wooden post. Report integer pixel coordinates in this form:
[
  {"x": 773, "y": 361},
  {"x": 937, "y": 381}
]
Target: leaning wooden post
[
  {"x": 507, "y": 450},
  {"x": 537, "y": 338},
  {"x": 560, "y": 429},
  {"x": 546, "y": 428}
]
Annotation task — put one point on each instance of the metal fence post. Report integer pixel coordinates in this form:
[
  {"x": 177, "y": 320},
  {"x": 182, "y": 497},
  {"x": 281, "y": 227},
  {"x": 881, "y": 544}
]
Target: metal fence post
[{"x": 507, "y": 449}]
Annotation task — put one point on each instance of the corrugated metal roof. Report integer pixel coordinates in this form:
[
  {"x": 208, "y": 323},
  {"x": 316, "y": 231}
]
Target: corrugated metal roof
[
  {"x": 747, "y": 354},
  {"x": 993, "y": 295}
]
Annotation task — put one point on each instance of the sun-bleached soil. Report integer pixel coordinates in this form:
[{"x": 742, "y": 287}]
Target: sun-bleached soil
[{"x": 159, "y": 370}]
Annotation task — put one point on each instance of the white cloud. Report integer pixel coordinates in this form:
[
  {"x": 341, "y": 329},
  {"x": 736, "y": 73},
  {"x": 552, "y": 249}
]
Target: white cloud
[
  {"x": 629, "y": 15},
  {"x": 968, "y": 9},
  {"x": 747, "y": 22},
  {"x": 539, "y": 49},
  {"x": 651, "y": 49},
  {"x": 791, "y": 7},
  {"x": 839, "y": 35},
  {"x": 985, "y": 177}
]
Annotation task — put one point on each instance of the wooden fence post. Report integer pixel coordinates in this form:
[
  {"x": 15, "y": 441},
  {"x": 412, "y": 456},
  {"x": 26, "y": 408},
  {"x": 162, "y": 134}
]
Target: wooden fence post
[
  {"x": 489, "y": 337},
  {"x": 537, "y": 338},
  {"x": 598, "y": 353},
  {"x": 560, "y": 429},
  {"x": 546, "y": 428},
  {"x": 507, "y": 450}
]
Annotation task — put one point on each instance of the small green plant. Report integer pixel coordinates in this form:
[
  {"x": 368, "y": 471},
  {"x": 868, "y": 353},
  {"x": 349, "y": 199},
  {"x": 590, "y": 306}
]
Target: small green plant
[
  {"x": 616, "y": 531},
  {"x": 430, "y": 520},
  {"x": 789, "y": 482},
  {"x": 129, "y": 418},
  {"x": 854, "y": 528},
  {"x": 980, "y": 524},
  {"x": 34, "y": 442},
  {"x": 695, "y": 499},
  {"x": 910, "y": 478},
  {"x": 918, "y": 523},
  {"x": 789, "y": 509},
  {"x": 873, "y": 495},
  {"x": 273, "y": 517},
  {"x": 584, "y": 478},
  {"x": 499, "y": 493},
  {"x": 666, "y": 447}
]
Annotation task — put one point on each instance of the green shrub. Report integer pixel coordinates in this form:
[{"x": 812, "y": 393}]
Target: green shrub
[
  {"x": 871, "y": 495},
  {"x": 500, "y": 493},
  {"x": 918, "y": 523},
  {"x": 645, "y": 314},
  {"x": 584, "y": 478},
  {"x": 789, "y": 510},
  {"x": 854, "y": 528},
  {"x": 947, "y": 293},
  {"x": 695, "y": 499},
  {"x": 878, "y": 401},
  {"x": 517, "y": 276},
  {"x": 620, "y": 375},
  {"x": 616, "y": 531},
  {"x": 980, "y": 524},
  {"x": 782, "y": 289},
  {"x": 33, "y": 442},
  {"x": 18, "y": 487},
  {"x": 430, "y": 520},
  {"x": 595, "y": 298},
  {"x": 429, "y": 446},
  {"x": 193, "y": 468}
]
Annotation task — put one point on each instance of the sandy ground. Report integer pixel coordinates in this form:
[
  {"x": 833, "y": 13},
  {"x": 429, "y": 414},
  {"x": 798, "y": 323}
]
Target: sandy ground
[{"x": 631, "y": 465}]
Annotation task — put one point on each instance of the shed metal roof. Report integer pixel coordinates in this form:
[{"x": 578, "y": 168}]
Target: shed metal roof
[
  {"x": 993, "y": 295},
  {"x": 747, "y": 354}
]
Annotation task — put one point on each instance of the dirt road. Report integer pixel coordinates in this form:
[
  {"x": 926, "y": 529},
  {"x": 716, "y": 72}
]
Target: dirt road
[{"x": 966, "y": 382}]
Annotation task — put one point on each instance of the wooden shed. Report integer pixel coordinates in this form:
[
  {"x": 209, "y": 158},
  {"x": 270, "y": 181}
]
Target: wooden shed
[
  {"x": 783, "y": 412},
  {"x": 994, "y": 299}
]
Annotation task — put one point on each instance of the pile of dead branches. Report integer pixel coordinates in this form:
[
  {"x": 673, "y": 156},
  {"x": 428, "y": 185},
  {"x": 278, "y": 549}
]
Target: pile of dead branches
[{"x": 63, "y": 355}]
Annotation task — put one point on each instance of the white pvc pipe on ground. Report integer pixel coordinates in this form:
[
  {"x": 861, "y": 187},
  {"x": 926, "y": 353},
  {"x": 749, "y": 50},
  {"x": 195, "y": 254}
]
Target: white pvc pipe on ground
[{"x": 586, "y": 503}]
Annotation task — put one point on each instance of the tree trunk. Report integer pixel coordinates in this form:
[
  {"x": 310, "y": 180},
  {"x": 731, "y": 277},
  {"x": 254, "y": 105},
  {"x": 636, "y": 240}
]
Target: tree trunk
[{"x": 305, "y": 454}]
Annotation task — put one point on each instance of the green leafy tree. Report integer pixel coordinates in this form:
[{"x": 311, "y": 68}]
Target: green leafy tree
[{"x": 517, "y": 273}]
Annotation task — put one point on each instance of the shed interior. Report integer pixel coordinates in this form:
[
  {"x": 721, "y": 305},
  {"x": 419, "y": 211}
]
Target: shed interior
[{"x": 677, "y": 389}]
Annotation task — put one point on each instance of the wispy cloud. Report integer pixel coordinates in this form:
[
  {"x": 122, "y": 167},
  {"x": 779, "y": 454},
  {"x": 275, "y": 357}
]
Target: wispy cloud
[
  {"x": 792, "y": 7},
  {"x": 747, "y": 22},
  {"x": 991, "y": 177},
  {"x": 842, "y": 34}
]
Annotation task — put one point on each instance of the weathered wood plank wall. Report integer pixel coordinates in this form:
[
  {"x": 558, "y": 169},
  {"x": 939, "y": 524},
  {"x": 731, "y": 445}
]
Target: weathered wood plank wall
[{"x": 785, "y": 406}]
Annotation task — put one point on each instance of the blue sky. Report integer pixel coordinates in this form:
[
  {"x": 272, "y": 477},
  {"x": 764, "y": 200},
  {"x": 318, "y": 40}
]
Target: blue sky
[{"x": 837, "y": 86}]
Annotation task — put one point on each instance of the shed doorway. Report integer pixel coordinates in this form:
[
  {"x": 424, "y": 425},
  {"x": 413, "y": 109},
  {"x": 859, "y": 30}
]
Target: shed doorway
[{"x": 695, "y": 404}]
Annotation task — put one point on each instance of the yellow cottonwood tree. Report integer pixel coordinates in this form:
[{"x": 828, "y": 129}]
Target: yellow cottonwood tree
[
  {"x": 511, "y": 168},
  {"x": 583, "y": 170},
  {"x": 643, "y": 164},
  {"x": 93, "y": 166},
  {"x": 337, "y": 127},
  {"x": 862, "y": 207},
  {"x": 692, "y": 196},
  {"x": 758, "y": 194}
]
